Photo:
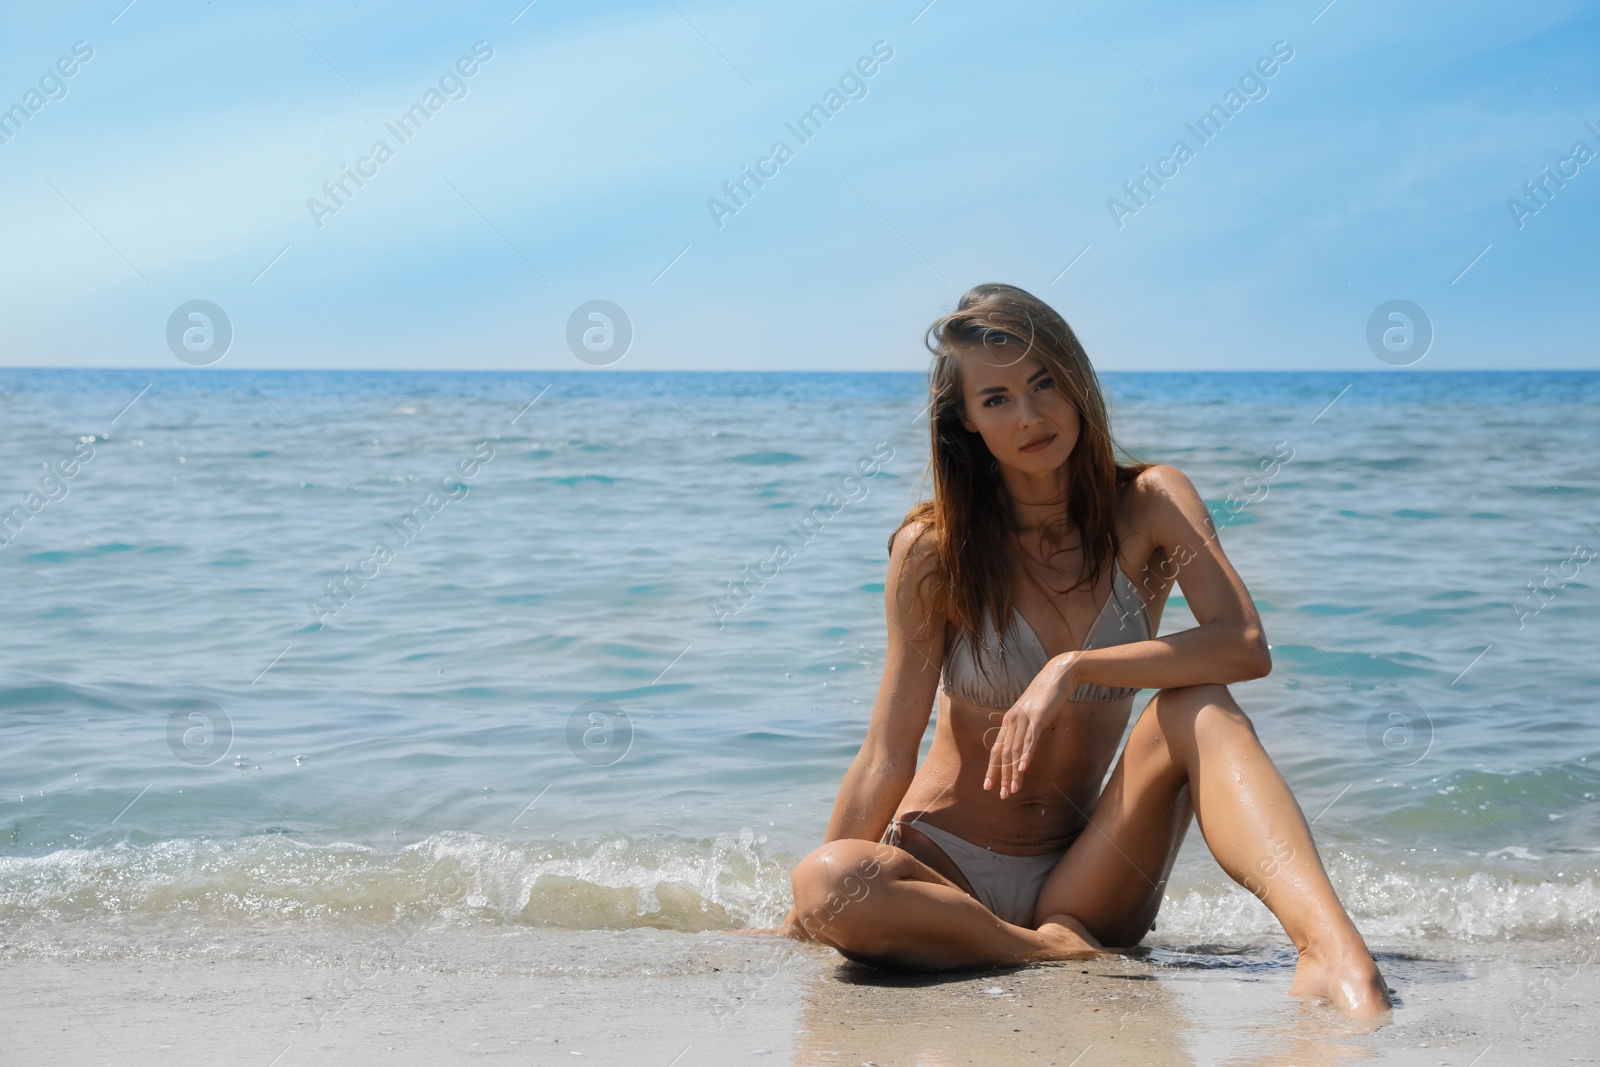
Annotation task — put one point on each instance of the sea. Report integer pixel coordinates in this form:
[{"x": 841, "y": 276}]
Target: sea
[{"x": 302, "y": 654}]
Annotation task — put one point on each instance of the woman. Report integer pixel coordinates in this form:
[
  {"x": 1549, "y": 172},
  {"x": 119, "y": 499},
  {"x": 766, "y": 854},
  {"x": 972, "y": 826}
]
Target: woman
[{"x": 1000, "y": 848}]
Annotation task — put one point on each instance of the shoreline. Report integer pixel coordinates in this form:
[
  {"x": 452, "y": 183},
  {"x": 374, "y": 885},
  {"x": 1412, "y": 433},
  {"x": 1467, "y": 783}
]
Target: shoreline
[{"x": 529, "y": 995}]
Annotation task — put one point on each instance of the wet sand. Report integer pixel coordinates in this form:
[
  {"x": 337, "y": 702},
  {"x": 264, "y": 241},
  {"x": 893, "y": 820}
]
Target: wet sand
[{"x": 529, "y": 996}]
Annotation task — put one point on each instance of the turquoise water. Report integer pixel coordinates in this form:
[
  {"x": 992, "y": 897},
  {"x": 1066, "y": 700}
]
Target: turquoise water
[{"x": 542, "y": 702}]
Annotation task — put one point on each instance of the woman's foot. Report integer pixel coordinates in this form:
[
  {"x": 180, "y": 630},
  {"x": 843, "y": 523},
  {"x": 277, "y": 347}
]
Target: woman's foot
[
  {"x": 1065, "y": 938},
  {"x": 1348, "y": 977},
  {"x": 790, "y": 928}
]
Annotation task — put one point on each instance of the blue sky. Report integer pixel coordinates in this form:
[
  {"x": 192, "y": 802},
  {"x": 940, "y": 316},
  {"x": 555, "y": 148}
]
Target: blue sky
[{"x": 579, "y": 163}]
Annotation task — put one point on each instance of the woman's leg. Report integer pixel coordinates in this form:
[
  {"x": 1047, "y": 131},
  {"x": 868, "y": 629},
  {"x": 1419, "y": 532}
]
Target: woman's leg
[
  {"x": 1193, "y": 749},
  {"x": 877, "y": 903}
]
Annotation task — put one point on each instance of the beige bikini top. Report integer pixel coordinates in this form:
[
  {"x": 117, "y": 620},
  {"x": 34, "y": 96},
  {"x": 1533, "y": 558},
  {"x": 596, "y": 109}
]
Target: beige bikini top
[{"x": 1122, "y": 620}]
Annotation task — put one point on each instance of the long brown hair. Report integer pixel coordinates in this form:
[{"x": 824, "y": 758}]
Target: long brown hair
[{"x": 970, "y": 515}]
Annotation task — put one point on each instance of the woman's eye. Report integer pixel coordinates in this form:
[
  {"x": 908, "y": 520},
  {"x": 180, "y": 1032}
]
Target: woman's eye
[
  {"x": 992, "y": 401},
  {"x": 1047, "y": 383}
]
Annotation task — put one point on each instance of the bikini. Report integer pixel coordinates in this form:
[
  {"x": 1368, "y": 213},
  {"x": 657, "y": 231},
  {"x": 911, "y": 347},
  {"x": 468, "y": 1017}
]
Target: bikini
[{"x": 1009, "y": 885}]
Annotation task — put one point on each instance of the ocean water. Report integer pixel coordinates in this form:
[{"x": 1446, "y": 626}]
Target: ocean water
[{"x": 354, "y": 652}]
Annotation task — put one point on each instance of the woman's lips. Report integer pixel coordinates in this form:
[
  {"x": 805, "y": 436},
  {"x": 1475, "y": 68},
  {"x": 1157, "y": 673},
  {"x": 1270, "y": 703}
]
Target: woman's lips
[{"x": 1038, "y": 446}]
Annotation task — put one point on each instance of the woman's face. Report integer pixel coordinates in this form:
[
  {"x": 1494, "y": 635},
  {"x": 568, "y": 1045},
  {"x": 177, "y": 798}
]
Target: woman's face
[{"x": 1015, "y": 405}]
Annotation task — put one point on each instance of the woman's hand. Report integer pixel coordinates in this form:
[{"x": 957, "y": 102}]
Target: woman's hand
[{"x": 1022, "y": 726}]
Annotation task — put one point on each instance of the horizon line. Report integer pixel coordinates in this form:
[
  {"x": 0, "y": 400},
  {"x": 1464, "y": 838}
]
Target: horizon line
[{"x": 597, "y": 371}]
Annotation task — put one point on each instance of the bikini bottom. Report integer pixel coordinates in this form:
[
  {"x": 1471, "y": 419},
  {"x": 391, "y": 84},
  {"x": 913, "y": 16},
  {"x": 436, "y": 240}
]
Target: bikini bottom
[{"x": 1006, "y": 885}]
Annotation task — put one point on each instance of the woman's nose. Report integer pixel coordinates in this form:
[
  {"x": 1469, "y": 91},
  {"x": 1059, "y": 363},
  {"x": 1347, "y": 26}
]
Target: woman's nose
[{"x": 1027, "y": 410}]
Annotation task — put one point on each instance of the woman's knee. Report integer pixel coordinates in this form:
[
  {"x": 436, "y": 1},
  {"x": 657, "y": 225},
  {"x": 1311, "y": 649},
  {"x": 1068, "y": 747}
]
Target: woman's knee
[
  {"x": 1190, "y": 712},
  {"x": 834, "y": 884}
]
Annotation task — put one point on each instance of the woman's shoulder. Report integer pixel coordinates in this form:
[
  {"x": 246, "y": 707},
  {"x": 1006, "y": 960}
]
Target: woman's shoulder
[
  {"x": 1159, "y": 481},
  {"x": 1156, "y": 495},
  {"x": 916, "y": 569},
  {"x": 915, "y": 545}
]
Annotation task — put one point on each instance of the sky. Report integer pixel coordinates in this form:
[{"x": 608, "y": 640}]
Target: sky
[{"x": 585, "y": 158}]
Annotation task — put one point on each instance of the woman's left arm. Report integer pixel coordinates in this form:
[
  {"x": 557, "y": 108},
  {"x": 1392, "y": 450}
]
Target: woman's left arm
[{"x": 1227, "y": 646}]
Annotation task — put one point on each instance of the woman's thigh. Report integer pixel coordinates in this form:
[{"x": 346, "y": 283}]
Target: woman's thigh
[
  {"x": 844, "y": 883},
  {"x": 1112, "y": 877}
]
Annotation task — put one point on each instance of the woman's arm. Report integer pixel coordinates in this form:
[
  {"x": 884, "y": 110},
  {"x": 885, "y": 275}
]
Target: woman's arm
[
  {"x": 1227, "y": 646},
  {"x": 882, "y": 771}
]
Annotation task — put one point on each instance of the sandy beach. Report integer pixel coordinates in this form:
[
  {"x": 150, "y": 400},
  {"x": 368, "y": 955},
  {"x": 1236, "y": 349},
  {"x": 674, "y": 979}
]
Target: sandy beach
[{"x": 659, "y": 997}]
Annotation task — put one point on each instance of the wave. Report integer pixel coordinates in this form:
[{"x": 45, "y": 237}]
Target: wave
[
  {"x": 1402, "y": 903},
  {"x": 617, "y": 883},
  {"x": 468, "y": 878}
]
